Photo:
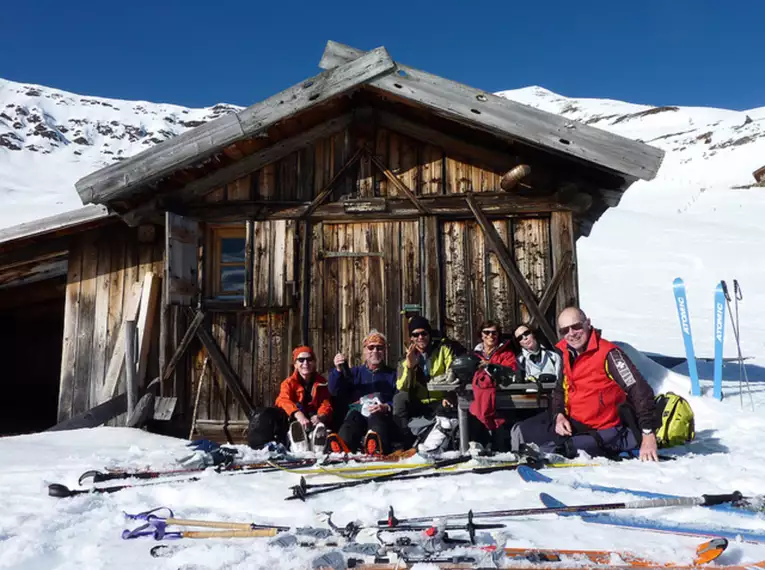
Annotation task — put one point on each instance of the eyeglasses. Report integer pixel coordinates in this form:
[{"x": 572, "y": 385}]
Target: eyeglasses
[
  {"x": 523, "y": 335},
  {"x": 490, "y": 333},
  {"x": 302, "y": 359},
  {"x": 416, "y": 334},
  {"x": 575, "y": 327},
  {"x": 377, "y": 347}
]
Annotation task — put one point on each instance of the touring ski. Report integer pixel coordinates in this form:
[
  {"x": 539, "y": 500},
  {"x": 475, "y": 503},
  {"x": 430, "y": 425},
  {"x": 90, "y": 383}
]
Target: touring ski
[
  {"x": 719, "y": 340},
  {"x": 685, "y": 326},
  {"x": 656, "y": 525},
  {"x": 531, "y": 475}
]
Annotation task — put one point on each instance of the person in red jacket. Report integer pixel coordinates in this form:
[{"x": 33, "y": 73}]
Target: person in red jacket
[
  {"x": 487, "y": 425},
  {"x": 600, "y": 394},
  {"x": 303, "y": 401}
]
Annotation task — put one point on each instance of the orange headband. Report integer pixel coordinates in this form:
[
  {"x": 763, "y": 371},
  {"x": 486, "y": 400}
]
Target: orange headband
[{"x": 300, "y": 349}]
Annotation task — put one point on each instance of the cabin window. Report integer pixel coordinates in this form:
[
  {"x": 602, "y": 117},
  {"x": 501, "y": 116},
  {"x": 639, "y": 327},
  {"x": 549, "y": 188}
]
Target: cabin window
[{"x": 228, "y": 263}]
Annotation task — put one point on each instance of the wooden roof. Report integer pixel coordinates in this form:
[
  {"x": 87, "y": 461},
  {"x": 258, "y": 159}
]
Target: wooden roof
[{"x": 347, "y": 70}]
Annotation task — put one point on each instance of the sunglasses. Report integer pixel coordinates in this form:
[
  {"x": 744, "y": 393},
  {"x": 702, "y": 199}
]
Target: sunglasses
[
  {"x": 419, "y": 334},
  {"x": 302, "y": 359},
  {"x": 490, "y": 333},
  {"x": 575, "y": 327},
  {"x": 377, "y": 347},
  {"x": 523, "y": 335}
]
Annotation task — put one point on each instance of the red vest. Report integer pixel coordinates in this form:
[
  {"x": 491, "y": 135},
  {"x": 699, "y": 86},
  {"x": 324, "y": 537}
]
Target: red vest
[{"x": 592, "y": 396}]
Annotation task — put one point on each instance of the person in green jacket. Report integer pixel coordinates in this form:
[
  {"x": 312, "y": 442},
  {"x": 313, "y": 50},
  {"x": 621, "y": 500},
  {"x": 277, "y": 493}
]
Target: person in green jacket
[{"x": 425, "y": 359}]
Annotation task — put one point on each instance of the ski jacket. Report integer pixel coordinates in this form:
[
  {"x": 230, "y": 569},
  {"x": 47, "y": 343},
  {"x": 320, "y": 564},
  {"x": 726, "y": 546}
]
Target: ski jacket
[
  {"x": 435, "y": 362},
  {"x": 597, "y": 381},
  {"x": 310, "y": 398},
  {"x": 363, "y": 381},
  {"x": 543, "y": 362},
  {"x": 484, "y": 404}
]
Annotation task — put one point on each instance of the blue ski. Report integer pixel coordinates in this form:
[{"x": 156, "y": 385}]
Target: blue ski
[
  {"x": 656, "y": 525},
  {"x": 719, "y": 339},
  {"x": 533, "y": 476},
  {"x": 685, "y": 325}
]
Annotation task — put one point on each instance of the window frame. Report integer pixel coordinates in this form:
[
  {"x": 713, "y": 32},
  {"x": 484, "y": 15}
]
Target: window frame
[{"x": 216, "y": 233}]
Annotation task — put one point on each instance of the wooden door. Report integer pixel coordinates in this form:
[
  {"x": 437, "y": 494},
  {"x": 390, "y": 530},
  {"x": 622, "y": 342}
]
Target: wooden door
[{"x": 366, "y": 273}]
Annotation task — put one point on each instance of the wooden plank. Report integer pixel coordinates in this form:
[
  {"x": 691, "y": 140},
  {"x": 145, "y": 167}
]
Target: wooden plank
[
  {"x": 85, "y": 215},
  {"x": 249, "y": 253},
  {"x": 181, "y": 264},
  {"x": 394, "y": 162},
  {"x": 288, "y": 169},
  {"x": 146, "y": 321},
  {"x": 392, "y": 279},
  {"x": 216, "y": 195},
  {"x": 98, "y": 356},
  {"x": 116, "y": 368},
  {"x": 230, "y": 344},
  {"x": 381, "y": 150},
  {"x": 240, "y": 189},
  {"x": 131, "y": 374},
  {"x": 511, "y": 120},
  {"x": 69, "y": 339},
  {"x": 278, "y": 256},
  {"x": 411, "y": 292},
  {"x": 261, "y": 264},
  {"x": 129, "y": 176},
  {"x": 266, "y": 396},
  {"x": 332, "y": 308},
  {"x": 455, "y": 282},
  {"x": 313, "y": 272},
  {"x": 376, "y": 284},
  {"x": 494, "y": 242},
  {"x": 85, "y": 323},
  {"x": 476, "y": 270},
  {"x": 277, "y": 353},
  {"x": 431, "y": 170},
  {"x": 400, "y": 186},
  {"x": 361, "y": 294},
  {"x": 245, "y": 335},
  {"x": 532, "y": 256},
  {"x": 95, "y": 416},
  {"x": 409, "y": 164},
  {"x": 327, "y": 189},
  {"x": 345, "y": 307},
  {"x": 562, "y": 242},
  {"x": 224, "y": 368},
  {"x": 552, "y": 288},
  {"x": 431, "y": 271},
  {"x": 501, "y": 297},
  {"x": 267, "y": 182}
]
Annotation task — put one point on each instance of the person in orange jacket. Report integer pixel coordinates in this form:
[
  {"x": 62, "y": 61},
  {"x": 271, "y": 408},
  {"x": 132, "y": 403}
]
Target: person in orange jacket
[{"x": 303, "y": 402}]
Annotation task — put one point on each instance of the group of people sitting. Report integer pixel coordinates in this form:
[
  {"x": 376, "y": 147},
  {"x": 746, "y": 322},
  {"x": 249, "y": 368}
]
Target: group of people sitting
[{"x": 600, "y": 404}]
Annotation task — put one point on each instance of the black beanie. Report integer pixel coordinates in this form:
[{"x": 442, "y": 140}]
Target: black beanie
[{"x": 419, "y": 322}]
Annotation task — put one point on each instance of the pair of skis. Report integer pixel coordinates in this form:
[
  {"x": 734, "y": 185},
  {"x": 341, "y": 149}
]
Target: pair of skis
[{"x": 722, "y": 298}]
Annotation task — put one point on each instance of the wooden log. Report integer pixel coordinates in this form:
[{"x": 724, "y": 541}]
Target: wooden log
[
  {"x": 510, "y": 120},
  {"x": 506, "y": 260},
  {"x": 126, "y": 178},
  {"x": 512, "y": 177},
  {"x": 131, "y": 374},
  {"x": 95, "y": 416}
]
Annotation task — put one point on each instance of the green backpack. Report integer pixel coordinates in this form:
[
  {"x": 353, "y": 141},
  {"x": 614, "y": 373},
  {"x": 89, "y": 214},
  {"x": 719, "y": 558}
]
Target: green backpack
[{"x": 675, "y": 420}]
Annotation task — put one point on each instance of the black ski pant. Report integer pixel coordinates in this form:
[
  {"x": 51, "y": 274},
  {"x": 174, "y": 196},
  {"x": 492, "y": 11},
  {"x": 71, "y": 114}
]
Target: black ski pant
[
  {"x": 540, "y": 430},
  {"x": 499, "y": 438},
  {"x": 405, "y": 408},
  {"x": 355, "y": 428}
]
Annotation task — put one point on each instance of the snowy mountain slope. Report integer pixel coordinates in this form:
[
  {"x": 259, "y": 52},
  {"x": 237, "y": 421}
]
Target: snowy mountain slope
[{"x": 700, "y": 218}]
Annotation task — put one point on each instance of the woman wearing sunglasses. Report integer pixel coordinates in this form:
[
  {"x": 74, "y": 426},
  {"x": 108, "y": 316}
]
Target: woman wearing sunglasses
[
  {"x": 536, "y": 362},
  {"x": 489, "y": 426}
]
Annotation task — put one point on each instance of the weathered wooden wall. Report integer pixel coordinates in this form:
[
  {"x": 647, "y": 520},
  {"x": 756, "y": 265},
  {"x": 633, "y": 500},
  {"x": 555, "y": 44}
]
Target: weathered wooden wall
[{"x": 103, "y": 266}]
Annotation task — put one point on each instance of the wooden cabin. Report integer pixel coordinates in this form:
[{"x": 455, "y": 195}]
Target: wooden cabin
[{"x": 353, "y": 200}]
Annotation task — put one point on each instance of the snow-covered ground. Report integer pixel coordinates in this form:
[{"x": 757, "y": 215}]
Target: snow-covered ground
[{"x": 699, "y": 219}]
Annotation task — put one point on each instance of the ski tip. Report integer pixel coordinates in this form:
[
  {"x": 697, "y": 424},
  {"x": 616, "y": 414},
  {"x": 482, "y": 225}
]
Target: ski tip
[
  {"x": 531, "y": 475},
  {"x": 60, "y": 491},
  {"x": 678, "y": 281},
  {"x": 93, "y": 475},
  {"x": 550, "y": 502}
]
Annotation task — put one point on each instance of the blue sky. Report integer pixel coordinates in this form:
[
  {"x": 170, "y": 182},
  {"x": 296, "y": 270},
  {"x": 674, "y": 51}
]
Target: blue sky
[{"x": 661, "y": 52}]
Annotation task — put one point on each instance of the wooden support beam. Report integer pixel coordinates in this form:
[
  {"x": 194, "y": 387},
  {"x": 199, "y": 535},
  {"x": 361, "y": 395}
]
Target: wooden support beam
[
  {"x": 117, "y": 363},
  {"x": 183, "y": 345},
  {"x": 549, "y": 295},
  {"x": 495, "y": 243},
  {"x": 226, "y": 371},
  {"x": 129, "y": 177},
  {"x": 400, "y": 186},
  {"x": 327, "y": 190}
]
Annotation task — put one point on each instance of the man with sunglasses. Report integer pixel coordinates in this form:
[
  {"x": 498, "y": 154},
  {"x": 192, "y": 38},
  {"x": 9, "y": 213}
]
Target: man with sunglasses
[
  {"x": 367, "y": 390},
  {"x": 602, "y": 405},
  {"x": 425, "y": 359}
]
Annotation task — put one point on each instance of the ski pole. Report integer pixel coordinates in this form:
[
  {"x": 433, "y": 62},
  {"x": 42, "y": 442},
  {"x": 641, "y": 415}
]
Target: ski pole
[
  {"x": 704, "y": 501},
  {"x": 155, "y": 516},
  {"x": 301, "y": 491},
  {"x": 158, "y": 530},
  {"x": 739, "y": 296}
]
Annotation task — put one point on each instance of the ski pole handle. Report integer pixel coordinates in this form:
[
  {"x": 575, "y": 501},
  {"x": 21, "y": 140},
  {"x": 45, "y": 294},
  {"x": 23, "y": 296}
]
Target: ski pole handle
[
  {"x": 737, "y": 290},
  {"x": 725, "y": 290},
  {"x": 710, "y": 500}
]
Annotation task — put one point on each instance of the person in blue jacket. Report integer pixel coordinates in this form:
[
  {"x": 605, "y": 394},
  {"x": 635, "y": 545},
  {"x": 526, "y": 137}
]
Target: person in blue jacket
[{"x": 368, "y": 390}]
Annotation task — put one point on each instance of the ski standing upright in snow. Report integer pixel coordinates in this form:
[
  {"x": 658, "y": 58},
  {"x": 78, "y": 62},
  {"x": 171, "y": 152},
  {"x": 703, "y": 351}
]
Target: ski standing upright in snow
[
  {"x": 719, "y": 340},
  {"x": 685, "y": 326}
]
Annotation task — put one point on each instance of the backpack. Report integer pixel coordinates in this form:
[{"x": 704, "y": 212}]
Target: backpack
[{"x": 675, "y": 420}]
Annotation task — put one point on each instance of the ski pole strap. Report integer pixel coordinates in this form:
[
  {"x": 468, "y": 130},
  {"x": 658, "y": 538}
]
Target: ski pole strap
[
  {"x": 725, "y": 290},
  {"x": 151, "y": 515},
  {"x": 155, "y": 529}
]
